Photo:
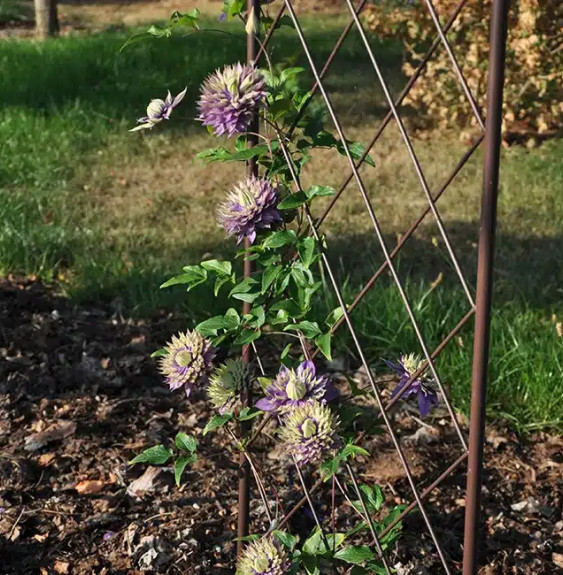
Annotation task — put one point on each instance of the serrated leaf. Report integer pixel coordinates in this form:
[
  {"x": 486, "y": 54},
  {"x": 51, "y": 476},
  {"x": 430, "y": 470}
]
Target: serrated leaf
[
  {"x": 354, "y": 554},
  {"x": 293, "y": 201},
  {"x": 180, "y": 465},
  {"x": 157, "y": 455},
  {"x": 217, "y": 421},
  {"x": 186, "y": 442},
  {"x": 323, "y": 343},
  {"x": 221, "y": 268}
]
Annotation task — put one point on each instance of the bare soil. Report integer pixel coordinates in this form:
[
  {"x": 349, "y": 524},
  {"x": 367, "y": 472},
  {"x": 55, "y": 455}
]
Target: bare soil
[{"x": 78, "y": 381}]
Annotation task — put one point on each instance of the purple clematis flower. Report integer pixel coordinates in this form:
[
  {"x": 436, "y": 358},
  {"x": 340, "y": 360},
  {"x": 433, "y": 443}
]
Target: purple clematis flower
[
  {"x": 159, "y": 110},
  {"x": 230, "y": 97},
  {"x": 308, "y": 431},
  {"x": 295, "y": 387},
  {"x": 264, "y": 557},
  {"x": 188, "y": 362},
  {"x": 421, "y": 386},
  {"x": 250, "y": 206}
]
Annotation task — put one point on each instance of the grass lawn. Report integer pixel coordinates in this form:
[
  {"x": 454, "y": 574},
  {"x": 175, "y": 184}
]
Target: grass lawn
[{"x": 107, "y": 213}]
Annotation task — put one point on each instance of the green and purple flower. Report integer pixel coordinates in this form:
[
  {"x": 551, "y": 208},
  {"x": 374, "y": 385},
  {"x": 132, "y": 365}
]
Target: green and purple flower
[
  {"x": 264, "y": 557},
  {"x": 294, "y": 387},
  {"x": 188, "y": 361},
  {"x": 308, "y": 431},
  {"x": 250, "y": 206},
  {"x": 421, "y": 386},
  {"x": 226, "y": 383},
  {"x": 230, "y": 98},
  {"x": 159, "y": 110}
]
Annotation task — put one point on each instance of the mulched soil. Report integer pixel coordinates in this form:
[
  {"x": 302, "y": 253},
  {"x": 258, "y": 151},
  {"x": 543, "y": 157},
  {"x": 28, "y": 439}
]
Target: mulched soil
[{"x": 79, "y": 396}]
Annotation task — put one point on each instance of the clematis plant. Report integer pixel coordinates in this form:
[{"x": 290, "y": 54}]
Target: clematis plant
[{"x": 296, "y": 405}]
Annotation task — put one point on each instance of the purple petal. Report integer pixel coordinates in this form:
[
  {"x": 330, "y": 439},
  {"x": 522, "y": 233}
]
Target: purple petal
[
  {"x": 179, "y": 97},
  {"x": 265, "y": 404},
  {"x": 426, "y": 400}
]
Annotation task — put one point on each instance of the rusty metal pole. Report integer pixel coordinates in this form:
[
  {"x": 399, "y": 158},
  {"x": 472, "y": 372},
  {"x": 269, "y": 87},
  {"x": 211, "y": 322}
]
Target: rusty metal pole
[
  {"x": 252, "y": 46},
  {"x": 491, "y": 161}
]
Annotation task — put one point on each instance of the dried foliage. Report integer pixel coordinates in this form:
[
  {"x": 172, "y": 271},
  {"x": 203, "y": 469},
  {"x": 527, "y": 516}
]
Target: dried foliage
[{"x": 534, "y": 65}]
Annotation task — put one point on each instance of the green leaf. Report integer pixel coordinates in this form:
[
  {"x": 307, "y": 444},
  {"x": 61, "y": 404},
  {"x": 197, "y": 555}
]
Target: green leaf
[
  {"x": 217, "y": 421},
  {"x": 231, "y": 319},
  {"x": 314, "y": 543},
  {"x": 244, "y": 286},
  {"x": 330, "y": 467},
  {"x": 193, "y": 276},
  {"x": 180, "y": 465},
  {"x": 279, "y": 239},
  {"x": 186, "y": 442},
  {"x": 319, "y": 191},
  {"x": 211, "y": 325},
  {"x": 310, "y": 329},
  {"x": 323, "y": 343},
  {"x": 269, "y": 275},
  {"x": 247, "y": 336},
  {"x": 157, "y": 455},
  {"x": 264, "y": 382},
  {"x": 247, "y": 297},
  {"x": 306, "y": 248},
  {"x": 285, "y": 351},
  {"x": 335, "y": 540},
  {"x": 354, "y": 450},
  {"x": 249, "y": 413},
  {"x": 160, "y": 352},
  {"x": 373, "y": 497},
  {"x": 334, "y": 316},
  {"x": 354, "y": 554},
  {"x": 221, "y": 154},
  {"x": 220, "y": 281},
  {"x": 286, "y": 539},
  {"x": 293, "y": 201},
  {"x": 221, "y": 268}
]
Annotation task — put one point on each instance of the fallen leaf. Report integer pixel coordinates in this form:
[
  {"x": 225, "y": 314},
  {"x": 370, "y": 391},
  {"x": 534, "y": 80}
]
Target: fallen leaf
[
  {"x": 40, "y": 538},
  {"x": 53, "y": 433},
  {"x": 46, "y": 459},
  {"x": 89, "y": 486},
  {"x": 145, "y": 482},
  {"x": 62, "y": 567},
  {"x": 558, "y": 559}
]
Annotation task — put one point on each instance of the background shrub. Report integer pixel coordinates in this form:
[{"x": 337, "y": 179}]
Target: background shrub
[{"x": 532, "y": 105}]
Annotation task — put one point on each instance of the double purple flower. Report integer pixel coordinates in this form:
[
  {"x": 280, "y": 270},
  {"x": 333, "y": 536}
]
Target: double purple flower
[
  {"x": 230, "y": 98},
  {"x": 250, "y": 206},
  {"x": 188, "y": 361},
  {"x": 295, "y": 387},
  {"x": 406, "y": 366}
]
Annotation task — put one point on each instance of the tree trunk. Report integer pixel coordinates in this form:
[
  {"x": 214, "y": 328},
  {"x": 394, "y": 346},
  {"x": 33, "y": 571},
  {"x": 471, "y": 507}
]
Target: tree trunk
[{"x": 46, "y": 20}]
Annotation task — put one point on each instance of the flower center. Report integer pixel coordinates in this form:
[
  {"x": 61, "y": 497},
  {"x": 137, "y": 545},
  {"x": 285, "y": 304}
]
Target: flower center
[
  {"x": 295, "y": 389},
  {"x": 184, "y": 358},
  {"x": 309, "y": 428},
  {"x": 261, "y": 564}
]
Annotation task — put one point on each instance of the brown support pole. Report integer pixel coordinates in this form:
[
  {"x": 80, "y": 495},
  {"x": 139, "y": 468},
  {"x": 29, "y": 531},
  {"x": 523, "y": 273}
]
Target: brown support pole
[
  {"x": 484, "y": 283},
  {"x": 253, "y": 9}
]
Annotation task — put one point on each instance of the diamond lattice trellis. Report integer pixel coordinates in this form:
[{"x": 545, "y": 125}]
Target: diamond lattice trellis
[{"x": 394, "y": 115}]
